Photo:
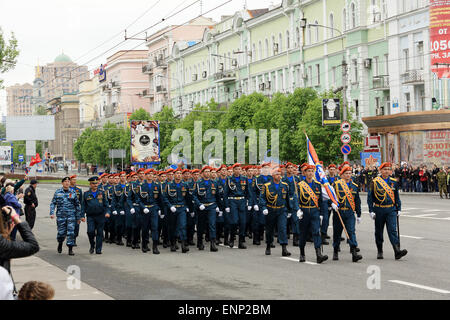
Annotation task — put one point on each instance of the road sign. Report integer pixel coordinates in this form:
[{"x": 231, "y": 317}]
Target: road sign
[
  {"x": 346, "y": 138},
  {"x": 346, "y": 149},
  {"x": 345, "y": 126},
  {"x": 20, "y": 157}
]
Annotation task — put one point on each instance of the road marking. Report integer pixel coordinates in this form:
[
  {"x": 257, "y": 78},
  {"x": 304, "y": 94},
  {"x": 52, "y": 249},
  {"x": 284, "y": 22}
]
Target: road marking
[
  {"x": 296, "y": 260},
  {"x": 424, "y": 215},
  {"x": 420, "y": 286},
  {"x": 418, "y": 238},
  {"x": 431, "y": 218}
]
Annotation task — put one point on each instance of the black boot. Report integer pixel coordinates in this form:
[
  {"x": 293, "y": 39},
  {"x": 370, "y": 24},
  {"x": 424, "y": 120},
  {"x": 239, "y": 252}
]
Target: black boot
[
  {"x": 284, "y": 251},
  {"x": 324, "y": 239},
  {"x": 268, "y": 250},
  {"x": 380, "y": 252},
  {"x": 213, "y": 247},
  {"x": 231, "y": 242},
  {"x": 241, "y": 243},
  {"x": 145, "y": 248},
  {"x": 173, "y": 247},
  {"x": 184, "y": 247},
  {"x": 129, "y": 242},
  {"x": 355, "y": 256},
  {"x": 399, "y": 253},
  {"x": 200, "y": 245},
  {"x": 71, "y": 251},
  {"x": 302, "y": 254},
  {"x": 60, "y": 244},
  {"x": 320, "y": 257},
  {"x": 272, "y": 245},
  {"x": 336, "y": 254},
  {"x": 119, "y": 241},
  {"x": 155, "y": 247},
  {"x": 256, "y": 240},
  {"x": 295, "y": 241},
  {"x": 91, "y": 250}
]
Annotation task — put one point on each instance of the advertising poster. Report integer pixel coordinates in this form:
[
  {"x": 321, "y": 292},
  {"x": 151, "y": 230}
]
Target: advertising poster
[
  {"x": 145, "y": 142},
  {"x": 391, "y": 148},
  {"x": 5, "y": 155},
  {"x": 331, "y": 112},
  {"x": 426, "y": 147},
  {"x": 370, "y": 158},
  {"x": 440, "y": 37}
]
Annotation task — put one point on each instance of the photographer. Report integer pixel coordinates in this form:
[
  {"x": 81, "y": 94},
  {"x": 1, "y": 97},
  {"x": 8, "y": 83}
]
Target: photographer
[{"x": 14, "y": 249}]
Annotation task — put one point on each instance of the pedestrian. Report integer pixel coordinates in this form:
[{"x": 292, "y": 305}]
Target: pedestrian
[
  {"x": 36, "y": 290},
  {"x": 347, "y": 193},
  {"x": 7, "y": 291},
  {"x": 95, "y": 208},
  {"x": 11, "y": 200},
  {"x": 441, "y": 178},
  {"x": 384, "y": 207},
  {"x": 31, "y": 203},
  {"x": 68, "y": 213}
]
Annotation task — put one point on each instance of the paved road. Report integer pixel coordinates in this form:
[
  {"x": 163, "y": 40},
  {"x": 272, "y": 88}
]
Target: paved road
[{"x": 123, "y": 273}]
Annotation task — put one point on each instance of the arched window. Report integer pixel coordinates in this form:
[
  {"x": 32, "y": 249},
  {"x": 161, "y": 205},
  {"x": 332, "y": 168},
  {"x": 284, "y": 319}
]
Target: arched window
[
  {"x": 266, "y": 51},
  {"x": 280, "y": 43},
  {"x": 275, "y": 52},
  {"x": 308, "y": 35},
  {"x": 344, "y": 19},
  {"x": 254, "y": 53},
  {"x": 246, "y": 55},
  {"x": 331, "y": 22},
  {"x": 260, "y": 55},
  {"x": 288, "y": 40},
  {"x": 316, "y": 32},
  {"x": 353, "y": 14},
  {"x": 297, "y": 37}
]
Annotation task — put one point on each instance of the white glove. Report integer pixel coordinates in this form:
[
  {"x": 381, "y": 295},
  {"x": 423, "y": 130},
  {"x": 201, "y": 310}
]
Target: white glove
[
  {"x": 159, "y": 212},
  {"x": 321, "y": 218},
  {"x": 187, "y": 210},
  {"x": 132, "y": 211},
  {"x": 265, "y": 212},
  {"x": 398, "y": 213},
  {"x": 372, "y": 215},
  {"x": 115, "y": 213},
  {"x": 359, "y": 220},
  {"x": 202, "y": 207},
  {"x": 289, "y": 215},
  {"x": 227, "y": 210},
  {"x": 146, "y": 211},
  {"x": 217, "y": 209},
  {"x": 192, "y": 214},
  {"x": 249, "y": 208},
  {"x": 255, "y": 207},
  {"x": 220, "y": 213},
  {"x": 173, "y": 209},
  {"x": 122, "y": 213},
  {"x": 334, "y": 206},
  {"x": 300, "y": 214}
]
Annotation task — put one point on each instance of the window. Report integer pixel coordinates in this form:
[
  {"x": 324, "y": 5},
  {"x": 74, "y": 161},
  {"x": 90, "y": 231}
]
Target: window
[
  {"x": 310, "y": 76},
  {"x": 353, "y": 14},
  {"x": 408, "y": 102},
  {"x": 297, "y": 37},
  {"x": 386, "y": 64},
  {"x": 331, "y": 25},
  {"x": 419, "y": 49},
  {"x": 266, "y": 51},
  {"x": 308, "y": 35},
  {"x": 356, "y": 105},
  {"x": 406, "y": 60},
  {"x": 333, "y": 76},
  {"x": 375, "y": 66},
  {"x": 280, "y": 43},
  {"x": 318, "y": 74},
  {"x": 316, "y": 33},
  {"x": 274, "y": 45},
  {"x": 288, "y": 39},
  {"x": 254, "y": 53},
  {"x": 355, "y": 70},
  {"x": 260, "y": 50}
]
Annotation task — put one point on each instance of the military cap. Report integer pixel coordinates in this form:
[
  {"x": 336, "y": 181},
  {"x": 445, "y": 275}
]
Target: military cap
[
  {"x": 205, "y": 168},
  {"x": 141, "y": 170},
  {"x": 93, "y": 179},
  {"x": 309, "y": 166},
  {"x": 332, "y": 166},
  {"x": 65, "y": 179},
  {"x": 344, "y": 169},
  {"x": 385, "y": 165},
  {"x": 73, "y": 177},
  {"x": 236, "y": 165},
  {"x": 267, "y": 164},
  {"x": 34, "y": 181}
]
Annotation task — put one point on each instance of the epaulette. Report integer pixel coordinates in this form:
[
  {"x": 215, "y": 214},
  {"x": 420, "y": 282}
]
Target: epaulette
[
  {"x": 267, "y": 184},
  {"x": 393, "y": 179},
  {"x": 284, "y": 183},
  {"x": 355, "y": 184}
]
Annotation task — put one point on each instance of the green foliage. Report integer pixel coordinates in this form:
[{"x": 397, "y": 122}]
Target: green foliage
[
  {"x": 40, "y": 111},
  {"x": 8, "y": 54}
]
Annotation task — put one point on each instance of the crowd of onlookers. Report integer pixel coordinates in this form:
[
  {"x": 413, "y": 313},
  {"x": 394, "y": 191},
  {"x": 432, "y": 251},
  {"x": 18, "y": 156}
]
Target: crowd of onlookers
[{"x": 411, "y": 178}]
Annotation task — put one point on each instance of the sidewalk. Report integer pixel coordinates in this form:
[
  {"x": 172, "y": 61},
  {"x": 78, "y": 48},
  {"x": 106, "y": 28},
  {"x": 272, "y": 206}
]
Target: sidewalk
[{"x": 34, "y": 268}]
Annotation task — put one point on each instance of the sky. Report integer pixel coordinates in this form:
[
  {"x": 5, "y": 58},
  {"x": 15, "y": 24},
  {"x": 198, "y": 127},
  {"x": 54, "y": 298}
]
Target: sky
[{"x": 86, "y": 29}]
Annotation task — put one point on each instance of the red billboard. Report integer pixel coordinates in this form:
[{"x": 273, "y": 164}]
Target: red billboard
[{"x": 440, "y": 37}]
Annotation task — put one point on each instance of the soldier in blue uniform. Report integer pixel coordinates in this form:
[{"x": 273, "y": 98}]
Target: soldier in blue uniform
[
  {"x": 192, "y": 214},
  {"x": 292, "y": 182},
  {"x": 150, "y": 203},
  {"x": 130, "y": 223},
  {"x": 276, "y": 200},
  {"x": 206, "y": 196},
  {"x": 260, "y": 221},
  {"x": 384, "y": 207},
  {"x": 221, "y": 181},
  {"x": 68, "y": 214},
  {"x": 327, "y": 209},
  {"x": 79, "y": 192},
  {"x": 176, "y": 197},
  {"x": 133, "y": 203},
  {"x": 95, "y": 207},
  {"x": 235, "y": 195},
  {"x": 118, "y": 206},
  {"x": 253, "y": 215},
  {"x": 164, "y": 211},
  {"x": 310, "y": 203},
  {"x": 347, "y": 193}
]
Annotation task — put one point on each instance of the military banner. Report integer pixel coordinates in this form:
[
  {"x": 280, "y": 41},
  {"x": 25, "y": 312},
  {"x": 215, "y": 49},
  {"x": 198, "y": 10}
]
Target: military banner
[{"x": 145, "y": 142}]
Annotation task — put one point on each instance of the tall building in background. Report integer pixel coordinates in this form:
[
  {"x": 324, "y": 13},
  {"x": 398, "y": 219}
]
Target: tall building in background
[
  {"x": 61, "y": 76},
  {"x": 19, "y": 100}
]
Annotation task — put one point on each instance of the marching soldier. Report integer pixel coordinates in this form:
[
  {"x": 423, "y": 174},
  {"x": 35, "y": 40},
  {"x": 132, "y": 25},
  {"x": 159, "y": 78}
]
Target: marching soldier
[
  {"x": 95, "y": 207},
  {"x": 385, "y": 207},
  {"x": 103, "y": 181},
  {"x": 133, "y": 203},
  {"x": 275, "y": 200},
  {"x": 110, "y": 232},
  {"x": 79, "y": 192},
  {"x": 118, "y": 206},
  {"x": 206, "y": 197},
  {"x": 128, "y": 199},
  {"x": 31, "y": 203},
  {"x": 327, "y": 209},
  {"x": 164, "y": 211},
  {"x": 176, "y": 197},
  {"x": 260, "y": 222},
  {"x": 68, "y": 214},
  {"x": 442, "y": 183},
  {"x": 292, "y": 182},
  {"x": 253, "y": 207},
  {"x": 191, "y": 215},
  {"x": 310, "y": 202},
  {"x": 149, "y": 201},
  {"x": 221, "y": 227},
  {"x": 347, "y": 193}
]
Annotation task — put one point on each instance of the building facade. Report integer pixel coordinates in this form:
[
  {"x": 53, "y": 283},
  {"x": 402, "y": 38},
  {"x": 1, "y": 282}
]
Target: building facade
[{"x": 19, "y": 100}]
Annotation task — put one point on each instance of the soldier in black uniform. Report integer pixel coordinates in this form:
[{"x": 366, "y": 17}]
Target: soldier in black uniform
[{"x": 31, "y": 203}]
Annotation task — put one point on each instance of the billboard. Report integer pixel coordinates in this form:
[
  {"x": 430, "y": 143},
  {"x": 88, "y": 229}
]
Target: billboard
[
  {"x": 30, "y": 128},
  {"x": 440, "y": 37},
  {"x": 425, "y": 147},
  {"x": 370, "y": 158},
  {"x": 145, "y": 142},
  {"x": 5, "y": 155},
  {"x": 331, "y": 112}
]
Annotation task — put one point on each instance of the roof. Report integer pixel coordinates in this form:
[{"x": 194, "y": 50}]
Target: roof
[
  {"x": 62, "y": 58},
  {"x": 258, "y": 12}
]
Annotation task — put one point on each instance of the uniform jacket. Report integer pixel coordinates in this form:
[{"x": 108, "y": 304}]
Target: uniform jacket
[
  {"x": 95, "y": 205},
  {"x": 66, "y": 204},
  {"x": 235, "y": 187},
  {"x": 344, "y": 203},
  {"x": 305, "y": 200},
  {"x": 30, "y": 197},
  {"x": 275, "y": 196},
  {"x": 293, "y": 191},
  {"x": 150, "y": 195},
  {"x": 377, "y": 195},
  {"x": 206, "y": 192},
  {"x": 176, "y": 194}
]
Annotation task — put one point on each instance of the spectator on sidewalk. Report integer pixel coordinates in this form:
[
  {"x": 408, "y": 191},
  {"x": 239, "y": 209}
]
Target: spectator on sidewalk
[
  {"x": 6, "y": 285},
  {"x": 31, "y": 203},
  {"x": 13, "y": 201},
  {"x": 36, "y": 290},
  {"x": 434, "y": 181}
]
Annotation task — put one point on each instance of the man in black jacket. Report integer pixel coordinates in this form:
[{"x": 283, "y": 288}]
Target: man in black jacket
[{"x": 31, "y": 203}]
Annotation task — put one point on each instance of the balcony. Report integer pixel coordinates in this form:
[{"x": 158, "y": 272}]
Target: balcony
[
  {"x": 160, "y": 63},
  {"x": 412, "y": 77},
  {"x": 147, "y": 69},
  {"x": 161, "y": 89},
  {"x": 223, "y": 77},
  {"x": 381, "y": 83},
  {"x": 148, "y": 94}
]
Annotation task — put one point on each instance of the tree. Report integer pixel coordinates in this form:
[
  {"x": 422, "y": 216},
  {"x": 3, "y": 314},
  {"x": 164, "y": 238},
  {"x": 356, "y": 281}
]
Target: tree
[
  {"x": 8, "y": 54},
  {"x": 40, "y": 111}
]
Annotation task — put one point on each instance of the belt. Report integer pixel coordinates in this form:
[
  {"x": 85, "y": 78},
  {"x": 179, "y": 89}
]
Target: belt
[
  {"x": 178, "y": 205},
  {"x": 343, "y": 209},
  {"x": 308, "y": 207},
  {"x": 384, "y": 206},
  {"x": 208, "y": 204},
  {"x": 236, "y": 198},
  {"x": 274, "y": 207},
  {"x": 149, "y": 205}
]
